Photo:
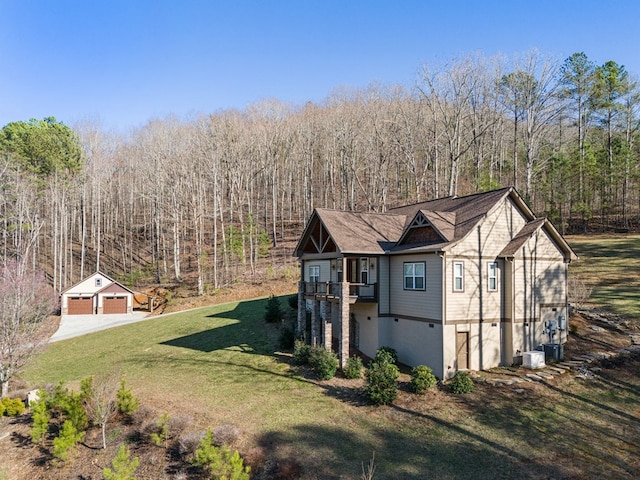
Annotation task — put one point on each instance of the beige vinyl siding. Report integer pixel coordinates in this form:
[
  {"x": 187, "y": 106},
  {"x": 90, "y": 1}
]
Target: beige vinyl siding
[
  {"x": 383, "y": 285},
  {"x": 475, "y": 302},
  {"x": 540, "y": 277},
  {"x": 416, "y": 342},
  {"x": 325, "y": 269},
  {"x": 426, "y": 303},
  {"x": 495, "y": 231},
  {"x": 540, "y": 286}
]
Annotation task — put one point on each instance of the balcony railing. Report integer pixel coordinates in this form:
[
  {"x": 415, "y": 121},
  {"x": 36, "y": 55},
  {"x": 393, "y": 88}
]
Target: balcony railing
[{"x": 358, "y": 291}]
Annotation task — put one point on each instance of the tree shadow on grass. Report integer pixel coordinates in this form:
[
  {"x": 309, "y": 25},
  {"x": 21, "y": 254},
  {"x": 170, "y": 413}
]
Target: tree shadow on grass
[
  {"x": 451, "y": 452},
  {"x": 241, "y": 327},
  {"x": 590, "y": 438}
]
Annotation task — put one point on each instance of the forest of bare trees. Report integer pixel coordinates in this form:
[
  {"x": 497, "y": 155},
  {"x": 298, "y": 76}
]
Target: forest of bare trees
[{"x": 204, "y": 201}]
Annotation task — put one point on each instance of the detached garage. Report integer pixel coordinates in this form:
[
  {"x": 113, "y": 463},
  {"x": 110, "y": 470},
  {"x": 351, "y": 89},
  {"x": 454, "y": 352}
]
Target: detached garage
[{"x": 97, "y": 294}]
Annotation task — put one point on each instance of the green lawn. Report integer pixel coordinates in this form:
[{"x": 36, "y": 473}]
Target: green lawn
[
  {"x": 610, "y": 266},
  {"x": 219, "y": 364}
]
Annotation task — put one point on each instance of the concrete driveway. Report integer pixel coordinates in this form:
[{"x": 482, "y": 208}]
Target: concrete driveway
[{"x": 76, "y": 325}]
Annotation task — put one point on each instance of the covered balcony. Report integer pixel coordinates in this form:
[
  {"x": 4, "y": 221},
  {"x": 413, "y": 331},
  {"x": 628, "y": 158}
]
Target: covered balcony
[{"x": 358, "y": 292}]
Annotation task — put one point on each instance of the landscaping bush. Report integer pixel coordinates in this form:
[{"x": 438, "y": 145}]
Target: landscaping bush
[
  {"x": 301, "y": 352},
  {"x": 323, "y": 362},
  {"x": 387, "y": 354},
  {"x": 422, "y": 379},
  {"x": 292, "y": 300},
  {"x": 12, "y": 407},
  {"x": 287, "y": 337},
  {"x": 382, "y": 379},
  {"x": 353, "y": 368},
  {"x": 273, "y": 311},
  {"x": 461, "y": 383}
]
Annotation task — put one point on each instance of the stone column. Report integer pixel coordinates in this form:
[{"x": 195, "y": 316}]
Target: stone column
[
  {"x": 343, "y": 347},
  {"x": 302, "y": 312},
  {"x": 315, "y": 323},
  {"x": 328, "y": 326}
]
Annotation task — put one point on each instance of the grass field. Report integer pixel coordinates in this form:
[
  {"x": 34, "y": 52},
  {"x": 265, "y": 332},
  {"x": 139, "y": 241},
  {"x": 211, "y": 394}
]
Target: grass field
[
  {"x": 610, "y": 266},
  {"x": 220, "y": 365}
]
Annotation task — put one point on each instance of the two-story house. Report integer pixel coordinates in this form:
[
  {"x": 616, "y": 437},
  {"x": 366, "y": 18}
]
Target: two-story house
[{"x": 454, "y": 283}]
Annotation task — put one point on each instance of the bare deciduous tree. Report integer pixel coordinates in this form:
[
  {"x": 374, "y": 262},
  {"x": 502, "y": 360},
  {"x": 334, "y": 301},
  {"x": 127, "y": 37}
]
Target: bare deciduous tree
[
  {"x": 102, "y": 402},
  {"x": 26, "y": 302}
]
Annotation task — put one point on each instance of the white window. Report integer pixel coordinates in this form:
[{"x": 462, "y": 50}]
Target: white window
[
  {"x": 458, "y": 276},
  {"x": 364, "y": 270},
  {"x": 98, "y": 282},
  {"x": 414, "y": 276},
  {"x": 314, "y": 273},
  {"x": 492, "y": 276}
]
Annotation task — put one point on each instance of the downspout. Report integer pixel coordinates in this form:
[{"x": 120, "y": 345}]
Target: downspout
[{"x": 444, "y": 310}]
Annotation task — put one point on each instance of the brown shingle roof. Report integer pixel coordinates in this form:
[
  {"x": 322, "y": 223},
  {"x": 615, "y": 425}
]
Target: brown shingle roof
[
  {"x": 362, "y": 232},
  {"x": 452, "y": 217},
  {"x": 522, "y": 236}
]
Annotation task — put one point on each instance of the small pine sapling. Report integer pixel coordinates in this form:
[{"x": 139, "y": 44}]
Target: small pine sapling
[
  {"x": 127, "y": 403},
  {"x": 66, "y": 440},
  {"x": 41, "y": 416},
  {"x": 220, "y": 462},
  {"x": 162, "y": 435},
  {"x": 123, "y": 466}
]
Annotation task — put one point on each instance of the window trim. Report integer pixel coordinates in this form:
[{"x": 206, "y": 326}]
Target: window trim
[
  {"x": 493, "y": 277},
  {"x": 413, "y": 276},
  {"x": 456, "y": 277}
]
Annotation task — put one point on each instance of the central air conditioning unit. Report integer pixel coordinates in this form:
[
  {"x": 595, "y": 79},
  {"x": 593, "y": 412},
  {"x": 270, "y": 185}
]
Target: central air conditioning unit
[{"x": 533, "y": 360}]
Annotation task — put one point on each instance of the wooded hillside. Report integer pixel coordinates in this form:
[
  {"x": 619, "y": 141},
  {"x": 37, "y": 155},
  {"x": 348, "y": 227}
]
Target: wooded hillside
[{"x": 213, "y": 199}]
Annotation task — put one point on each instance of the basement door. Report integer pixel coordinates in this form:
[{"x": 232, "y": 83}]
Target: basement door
[{"x": 462, "y": 350}]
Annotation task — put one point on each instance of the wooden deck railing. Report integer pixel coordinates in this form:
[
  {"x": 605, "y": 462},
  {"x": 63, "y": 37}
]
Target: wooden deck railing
[{"x": 361, "y": 291}]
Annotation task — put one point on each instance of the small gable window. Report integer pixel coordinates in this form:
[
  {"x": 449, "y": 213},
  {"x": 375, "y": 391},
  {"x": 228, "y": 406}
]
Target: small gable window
[
  {"x": 492, "y": 276},
  {"x": 314, "y": 273},
  {"x": 458, "y": 276},
  {"x": 414, "y": 276},
  {"x": 98, "y": 282}
]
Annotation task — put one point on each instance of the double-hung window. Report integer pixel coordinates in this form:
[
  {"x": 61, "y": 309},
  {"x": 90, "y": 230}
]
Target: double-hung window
[
  {"x": 314, "y": 273},
  {"x": 458, "y": 276},
  {"x": 492, "y": 276},
  {"x": 414, "y": 276}
]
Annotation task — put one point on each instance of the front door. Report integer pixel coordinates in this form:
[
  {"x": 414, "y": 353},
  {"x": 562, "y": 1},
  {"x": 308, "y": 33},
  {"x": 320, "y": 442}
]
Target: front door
[{"x": 462, "y": 350}]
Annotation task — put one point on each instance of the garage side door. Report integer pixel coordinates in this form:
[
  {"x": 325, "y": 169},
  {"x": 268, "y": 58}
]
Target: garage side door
[
  {"x": 80, "y": 306},
  {"x": 114, "y": 305}
]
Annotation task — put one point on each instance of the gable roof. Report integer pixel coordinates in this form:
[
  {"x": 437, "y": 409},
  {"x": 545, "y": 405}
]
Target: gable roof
[
  {"x": 528, "y": 230},
  {"x": 354, "y": 232},
  {"x": 448, "y": 219},
  {"x": 98, "y": 273}
]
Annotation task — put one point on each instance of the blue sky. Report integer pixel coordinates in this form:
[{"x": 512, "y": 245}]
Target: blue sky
[{"x": 126, "y": 62}]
